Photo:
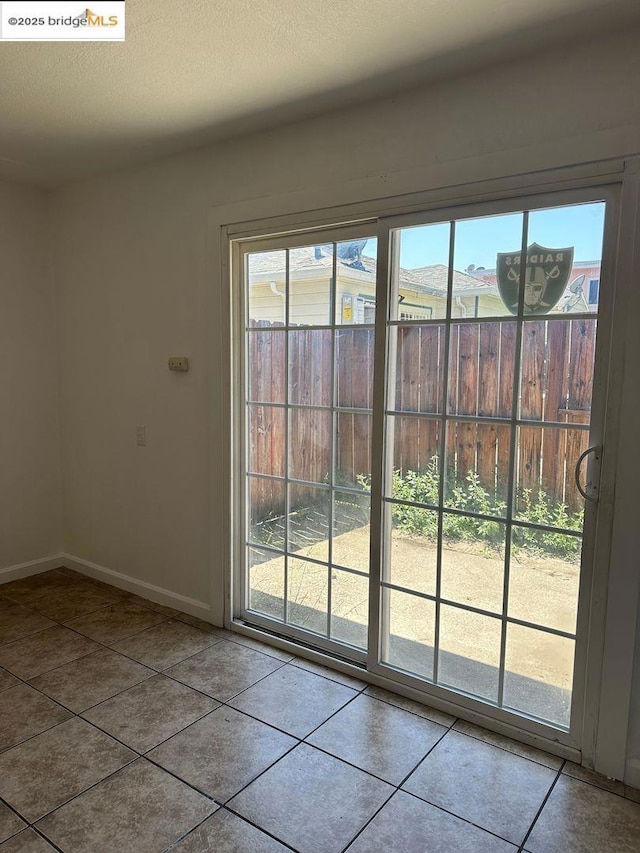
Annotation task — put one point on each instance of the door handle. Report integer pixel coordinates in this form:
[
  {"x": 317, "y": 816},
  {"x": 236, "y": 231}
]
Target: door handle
[{"x": 589, "y": 484}]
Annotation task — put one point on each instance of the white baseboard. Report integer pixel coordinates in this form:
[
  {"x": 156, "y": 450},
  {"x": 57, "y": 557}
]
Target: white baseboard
[
  {"x": 131, "y": 584},
  {"x": 632, "y": 773},
  {"x": 33, "y": 567}
]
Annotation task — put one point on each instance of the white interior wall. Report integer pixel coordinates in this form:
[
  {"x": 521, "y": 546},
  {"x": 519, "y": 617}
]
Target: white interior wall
[
  {"x": 136, "y": 282},
  {"x": 30, "y": 523}
]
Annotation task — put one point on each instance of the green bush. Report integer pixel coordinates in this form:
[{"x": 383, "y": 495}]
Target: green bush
[{"x": 470, "y": 496}]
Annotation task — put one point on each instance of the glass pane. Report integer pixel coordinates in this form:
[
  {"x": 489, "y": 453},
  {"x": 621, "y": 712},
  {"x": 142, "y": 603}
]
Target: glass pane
[
  {"x": 266, "y": 440},
  {"x": 310, "y": 445},
  {"x": 349, "y": 608},
  {"x": 564, "y": 258},
  {"x": 473, "y": 562},
  {"x": 420, "y": 273},
  {"x": 309, "y": 521},
  {"x": 477, "y": 467},
  {"x": 557, "y": 370},
  {"x": 310, "y": 367},
  {"x": 483, "y": 248},
  {"x": 415, "y": 443},
  {"x": 545, "y": 578},
  {"x": 266, "y": 511},
  {"x": 266, "y": 583},
  {"x": 266, "y": 286},
  {"x": 354, "y": 368},
  {"x": 353, "y": 451},
  {"x": 412, "y": 555},
  {"x": 350, "y": 546},
  {"x": 539, "y": 674},
  {"x": 469, "y": 658},
  {"x": 481, "y": 365},
  {"x": 419, "y": 368},
  {"x": 545, "y": 486},
  {"x": 356, "y": 281},
  {"x": 411, "y": 622},
  {"x": 310, "y": 276},
  {"x": 266, "y": 363},
  {"x": 307, "y": 595}
]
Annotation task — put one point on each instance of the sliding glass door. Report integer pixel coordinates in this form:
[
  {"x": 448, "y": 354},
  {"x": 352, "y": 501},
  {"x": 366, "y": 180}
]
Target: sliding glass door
[
  {"x": 309, "y": 343},
  {"x": 412, "y": 502}
]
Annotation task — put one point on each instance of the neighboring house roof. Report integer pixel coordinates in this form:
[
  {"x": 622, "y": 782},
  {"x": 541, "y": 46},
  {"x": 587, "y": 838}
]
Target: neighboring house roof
[
  {"x": 304, "y": 263},
  {"x": 431, "y": 280},
  {"x": 434, "y": 279}
]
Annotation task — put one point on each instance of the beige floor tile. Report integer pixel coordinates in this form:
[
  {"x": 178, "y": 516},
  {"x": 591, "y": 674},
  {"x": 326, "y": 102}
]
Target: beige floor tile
[
  {"x": 224, "y": 669},
  {"x": 198, "y": 623},
  {"x": 24, "y": 713},
  {"x": 265, "y": 648},
  {"x": 68, "y": 603},
  {"x": 165, "y": 644},
  {"x": 145, "y": 715},
  {"x": 10, "y": 823},
  {"x": 293, "y": 700},
  {"x": 152, "y": 605},
  {"x": 632, "y": 793},
  {"x": 91, "y": 679},
  {"x": 7, "y": 680},
  {"x": 378, "y": 737},
  {"x": 46, "y": 771},
  {"x": 327, "y": 672},
  {"x": 584, "y": 775},
  {"x": 409, "y": 705},
  {"x": 141, "y": 809},
  {"x": 227, "y": 832},
  {"x": 507, "y": 743},
  {"x": 71, "y": 573},
  {"x": 312, "y": 801},
  {"x": 43, "y": 651},
  {"x": 18, "y": 621},
  {"x": 580, "y": 818},
  {"x": 27, "y": 841},
  {"x": 404, "y": 824},
  {"x": 113, "y": 623},
  {"x": 222, "y": 753},
  {"x": 493, "y": 788},
  {"x": 27, "y": 590}
]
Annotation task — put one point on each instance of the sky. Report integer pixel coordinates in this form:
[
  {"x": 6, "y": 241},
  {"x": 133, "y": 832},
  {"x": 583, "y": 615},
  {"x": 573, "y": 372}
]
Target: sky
[{"x": 479, "y": 240}]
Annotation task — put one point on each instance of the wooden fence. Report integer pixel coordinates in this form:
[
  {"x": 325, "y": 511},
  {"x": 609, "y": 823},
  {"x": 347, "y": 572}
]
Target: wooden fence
[{"x": 555, "y": 385}]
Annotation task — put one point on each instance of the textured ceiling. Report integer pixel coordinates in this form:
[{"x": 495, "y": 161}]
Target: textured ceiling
[{"x": 197, "y": 70}]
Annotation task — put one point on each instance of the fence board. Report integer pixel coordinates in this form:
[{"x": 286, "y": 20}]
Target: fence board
[
  {"x": 553, "y": 472},
  {"x": 531, "y": 405}
]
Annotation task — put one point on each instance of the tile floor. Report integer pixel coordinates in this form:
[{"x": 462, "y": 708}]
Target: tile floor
[{"x": 128, "y": 726}]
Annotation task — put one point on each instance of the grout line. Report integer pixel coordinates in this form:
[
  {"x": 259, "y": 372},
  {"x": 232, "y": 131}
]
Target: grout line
[
  {"x": 330, "y": 677},
  {"x": 415, "y": 713},
  {"x": 459, "y": 817},
  {"x": 423, "y": 759},
  {"x": 44, "y": 837},
  {"x": 510, "y": 751},
  {"x": 543, "y": 804},
  {"x": 598, "y": 787},
  {"x": 372, "y": 818},
  {"x": 259, "y": 828},
  {"x": 80, "y": 793}
]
